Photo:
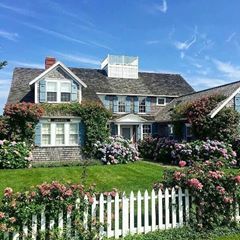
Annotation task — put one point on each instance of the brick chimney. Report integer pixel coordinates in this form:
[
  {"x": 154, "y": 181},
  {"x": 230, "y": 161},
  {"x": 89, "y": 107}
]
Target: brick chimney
[{"x": 49, "y": 61}]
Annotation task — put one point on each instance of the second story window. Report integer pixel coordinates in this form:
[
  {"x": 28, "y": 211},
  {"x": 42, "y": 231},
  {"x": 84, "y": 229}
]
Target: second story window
[
  {"x": 52, "y": 91},
  {"x": 121, "y": 104},
  {"x": 111, "y": 103},
  {"x": 65, "y": 92},
  {"x": 142, "y": 104}
]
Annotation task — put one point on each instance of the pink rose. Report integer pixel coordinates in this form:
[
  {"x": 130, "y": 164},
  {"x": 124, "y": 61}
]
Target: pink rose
[
  {"x": 182, "y": 164},
  {"x": 195, "y": 183},
  {"x": 237, "y": 179}
]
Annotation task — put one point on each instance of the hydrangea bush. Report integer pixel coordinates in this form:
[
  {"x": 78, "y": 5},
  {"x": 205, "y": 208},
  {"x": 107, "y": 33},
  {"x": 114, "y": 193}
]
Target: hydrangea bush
[
  {"x": 116, "y": 150},
  {"x": 185, "y": 153},
  {"x": 214, "y": 193},
  {"x": 14, "y": 155}
]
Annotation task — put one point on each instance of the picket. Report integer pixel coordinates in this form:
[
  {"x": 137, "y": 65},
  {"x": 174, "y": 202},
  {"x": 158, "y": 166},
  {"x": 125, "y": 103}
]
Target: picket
[{"x": 140, "y": 213}]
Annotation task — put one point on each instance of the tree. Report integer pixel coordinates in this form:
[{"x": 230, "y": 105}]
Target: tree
[{"x": 3, "y": 64}]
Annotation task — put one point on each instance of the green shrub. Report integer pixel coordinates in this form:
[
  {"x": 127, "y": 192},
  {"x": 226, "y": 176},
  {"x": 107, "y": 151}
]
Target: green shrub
[{"x": 14, "y": 155}]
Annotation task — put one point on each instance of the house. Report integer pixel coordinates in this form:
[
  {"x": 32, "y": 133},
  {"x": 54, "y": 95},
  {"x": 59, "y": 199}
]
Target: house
[
  {"x": 141, "y": 102},
  {"x": 134, "y": 98}
]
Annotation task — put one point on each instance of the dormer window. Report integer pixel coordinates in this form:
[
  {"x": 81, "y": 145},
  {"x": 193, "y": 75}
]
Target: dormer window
[
  {"x": 65, "y": 92},
  {"x": 58, "y": 91},
  {"x": 161, "y": 101},
  {"x": 52, "y": 91}
]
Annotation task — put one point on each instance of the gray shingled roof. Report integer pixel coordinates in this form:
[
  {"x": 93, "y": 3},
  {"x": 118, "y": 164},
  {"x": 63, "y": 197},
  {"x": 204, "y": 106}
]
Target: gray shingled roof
[
  {"x": 164, "y": 114},
  {"x": 97, "y": 81}
]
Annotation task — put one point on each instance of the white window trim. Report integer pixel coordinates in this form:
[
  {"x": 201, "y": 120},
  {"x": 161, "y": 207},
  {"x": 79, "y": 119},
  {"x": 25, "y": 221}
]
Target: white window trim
[
  {"x": 58, "y": 89},
  {"x": 66, "y": 134},
  {"x": 165, "y": 102}
]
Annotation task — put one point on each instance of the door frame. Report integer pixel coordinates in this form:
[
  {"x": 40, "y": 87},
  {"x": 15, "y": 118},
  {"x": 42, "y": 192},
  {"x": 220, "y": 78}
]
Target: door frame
[{"x": 131, "y": 130}]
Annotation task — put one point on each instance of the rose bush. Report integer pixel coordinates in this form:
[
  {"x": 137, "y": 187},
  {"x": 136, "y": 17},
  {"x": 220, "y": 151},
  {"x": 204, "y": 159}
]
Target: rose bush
[
  {"x": 213, "y": 192},
  {"x": 116, "y": 150},
  {"x": 14, "y": 155}
]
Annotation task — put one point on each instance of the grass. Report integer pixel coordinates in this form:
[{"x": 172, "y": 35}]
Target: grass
[{"x": 134, "y": 176}]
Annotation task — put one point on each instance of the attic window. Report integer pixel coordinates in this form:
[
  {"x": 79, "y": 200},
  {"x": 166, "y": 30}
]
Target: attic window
[{"x": 161, "y": 101}]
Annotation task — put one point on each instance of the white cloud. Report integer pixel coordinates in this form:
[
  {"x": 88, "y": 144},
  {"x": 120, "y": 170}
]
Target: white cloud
[
  {"x": 151, "y": 42},
  {"x": 79, "y": 59},
  {"x": 9, "y": 35},
  {"x": 231, "y": 36},
  {"x": 20, "y": 11},
  {"x": 185, "y": 45},
  {"x": 25, "y": 64},
  {"x": 54, "y": 33},
  {"x": 228, "y": 69},
  {"x": 199, "y": 82},
  {"x": 161, "y": 7}
]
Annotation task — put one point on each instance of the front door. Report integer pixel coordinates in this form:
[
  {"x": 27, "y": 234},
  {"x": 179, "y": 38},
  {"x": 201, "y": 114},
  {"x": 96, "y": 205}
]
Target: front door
[{"x": 126, "y": 132}]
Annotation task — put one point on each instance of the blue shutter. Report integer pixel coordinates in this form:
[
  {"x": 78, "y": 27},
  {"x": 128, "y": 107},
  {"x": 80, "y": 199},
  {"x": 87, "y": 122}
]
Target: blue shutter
[
  {"x": 42, "y": 91},
  {"x": 127, "y": 108},
  {"x": 154, "y": 129},
  {"x": 74, "y": 92},
  {"x": 115, "y": 104},
  {"x": 38, "y": 134},
  {"x": 136, "y": 105},
  {"x": 82, "y": 133},
  {"x": 106, "y": 102},
  {"x": 237, "y": 103},
  {"x": 148, "y": 104}
]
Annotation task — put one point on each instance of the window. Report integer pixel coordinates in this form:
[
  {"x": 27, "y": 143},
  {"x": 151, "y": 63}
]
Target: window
[
  {"x": 147, "y": 130},
  {"x": 131, "y": 100},
  {"x": 189, "y": 134},
  {"x": 51, "y": 91},
  {"x": 65, "y": 92},
  {"x": 161, "y": 101},
  {"x": 46, "y": 134},
  {"x": 60, "y": 134},
  {"x": 121, "y": 103},
  {"x": 73, "y": 137},
  {"x": 142, "y": 104}
]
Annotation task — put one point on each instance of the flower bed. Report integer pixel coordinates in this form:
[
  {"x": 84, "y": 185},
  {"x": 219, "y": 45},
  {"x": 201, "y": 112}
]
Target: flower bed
[
  {"x": 169, "y": 151},
  {"x": 116, "y": 150},
  {"x": 14, "y": 155}
]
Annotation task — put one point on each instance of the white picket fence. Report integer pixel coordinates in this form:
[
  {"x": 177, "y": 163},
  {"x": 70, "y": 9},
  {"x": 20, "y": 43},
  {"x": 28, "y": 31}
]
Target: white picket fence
[{"x": 120, "y": 215}]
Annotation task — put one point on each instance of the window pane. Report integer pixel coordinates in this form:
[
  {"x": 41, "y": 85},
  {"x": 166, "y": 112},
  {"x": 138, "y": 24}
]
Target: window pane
[
  {"x": 65, "y": 87},
  {"x": 51, "y": 86},
  {"x": 59, "y": 139},
  {"x": 161, "y": 101},
  {"x": 51, "y": 96},
  {"x": 65, "y": 97},
  {"x": 142, "y": 104},
  {"x": 45, "y": 139},
  {"x": 146, "y": 129},
  {"x": 59, "y": 128},
  {"x": 73, "y": 128},
  {"x": 45, "y": 128},
  {"x": 73, "y": 139}
]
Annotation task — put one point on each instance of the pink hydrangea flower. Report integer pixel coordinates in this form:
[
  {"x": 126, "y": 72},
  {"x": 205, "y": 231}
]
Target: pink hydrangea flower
[
  {"x": 195, "y": 183},
  {"x": 182, "y": 164},
  {"x": 237, "y": 179}
]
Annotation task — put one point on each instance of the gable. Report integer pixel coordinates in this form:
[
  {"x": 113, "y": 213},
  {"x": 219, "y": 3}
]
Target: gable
[
  {"x": 130, "y": 118},
  {"x": 58, "y": 71}
]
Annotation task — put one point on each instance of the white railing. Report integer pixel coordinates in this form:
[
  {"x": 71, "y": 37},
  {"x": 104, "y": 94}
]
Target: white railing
[{"x": 120, "y": 215}]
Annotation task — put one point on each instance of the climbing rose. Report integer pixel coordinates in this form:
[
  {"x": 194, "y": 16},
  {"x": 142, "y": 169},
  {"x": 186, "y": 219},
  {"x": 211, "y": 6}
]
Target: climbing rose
[
  {"x": 237, "y": 179},
  {"x": 195, "y": 183},
  {"x": 182, "y": 164}
]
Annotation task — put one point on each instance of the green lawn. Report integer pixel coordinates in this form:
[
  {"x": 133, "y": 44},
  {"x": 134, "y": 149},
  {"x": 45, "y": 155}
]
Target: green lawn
[{"x": 126, "y": 177}]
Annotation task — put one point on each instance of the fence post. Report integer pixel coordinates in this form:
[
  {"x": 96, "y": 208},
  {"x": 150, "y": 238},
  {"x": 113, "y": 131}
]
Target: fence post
[
  {"x": 180, "y": 206},
  {"x": 15, "y": 236},
  {"x": 153, "y": 207},
  {"x": 34, "y": 227},
  {"x": 166, "y": 196},
  {"x": 131, "y": 209},
  {"x": 43, "y": 221},
  {"x": 139, "y": 212},
  {"x": 101, "y": 213},
  {"x": 85, "y": 213},
  {"x": 116, "y": 212},
  {"x": 25, "y": 231},
  {"x": 60, "y": 223},
  {"x": 187, "y": 204},
  {"x": 109, "y": 215},
  {"x": 125, "y": 227},
  {"x": 174, "y": 211},
  {"x": 68, "y": 225},
  {"x": 160, "y": 209},
  {"x": 146, "y": 212}
]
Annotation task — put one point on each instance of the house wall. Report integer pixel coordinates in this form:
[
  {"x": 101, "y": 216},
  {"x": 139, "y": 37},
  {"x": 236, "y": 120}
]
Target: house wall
[{"x": 57, "y": 154}]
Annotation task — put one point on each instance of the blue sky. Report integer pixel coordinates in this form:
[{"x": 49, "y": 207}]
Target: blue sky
[{"x": 198, "y": 39}]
